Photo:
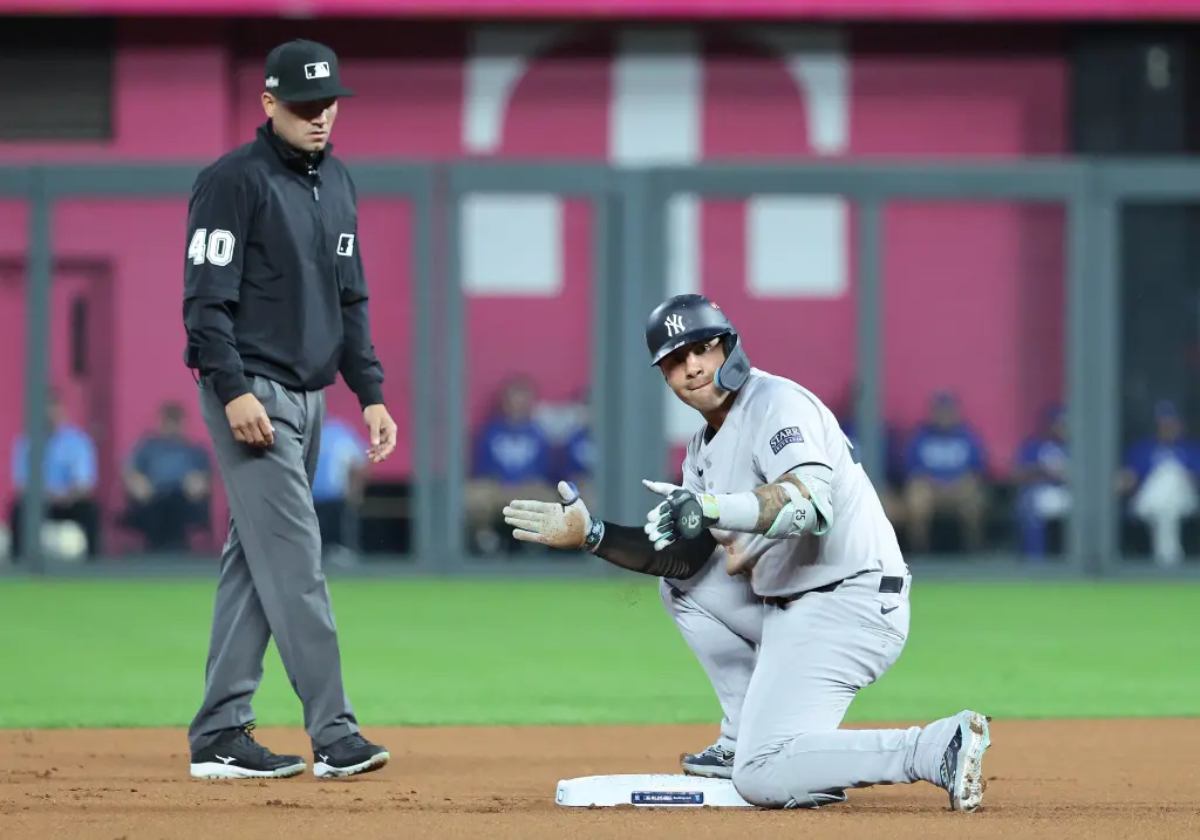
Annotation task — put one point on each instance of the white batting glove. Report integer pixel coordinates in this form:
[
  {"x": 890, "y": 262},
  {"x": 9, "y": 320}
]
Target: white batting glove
[{"x": 564, "y": 524}]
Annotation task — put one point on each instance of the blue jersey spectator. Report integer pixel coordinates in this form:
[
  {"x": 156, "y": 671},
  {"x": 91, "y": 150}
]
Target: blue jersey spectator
[
  {"x": 69, "y": 466},
  {"x": 1041, "y": 472},
  {"x": 511, "y": 448},
  {"x": 168, "y": 479},
  {"x": 68, "y": 476},
  {"x": 343, "y": 452},
  {"x": 945, "y": 448},
  {"x": 1168, "y": 444},
  {"x": 944, "y": 465},
  {"x": 338, "y": 482},
  {"x": 1160, "y": 473},
  {"x": 512, "y": 460}
]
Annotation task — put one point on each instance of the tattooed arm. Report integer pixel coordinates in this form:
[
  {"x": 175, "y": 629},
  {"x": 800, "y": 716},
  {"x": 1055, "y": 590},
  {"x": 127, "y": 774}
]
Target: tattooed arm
[{"x": 799, "y": 502}]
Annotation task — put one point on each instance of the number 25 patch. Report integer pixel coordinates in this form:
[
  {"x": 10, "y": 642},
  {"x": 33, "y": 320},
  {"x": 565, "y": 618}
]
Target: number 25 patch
[{"x": 785, "y": 436}]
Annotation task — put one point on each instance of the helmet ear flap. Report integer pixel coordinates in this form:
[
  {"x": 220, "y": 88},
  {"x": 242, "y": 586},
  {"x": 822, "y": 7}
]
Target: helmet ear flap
[{"x": 735, "y": 370}]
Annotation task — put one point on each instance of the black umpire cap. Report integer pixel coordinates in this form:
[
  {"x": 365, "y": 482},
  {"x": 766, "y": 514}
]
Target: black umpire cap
[{"x": 301, "y": 71}]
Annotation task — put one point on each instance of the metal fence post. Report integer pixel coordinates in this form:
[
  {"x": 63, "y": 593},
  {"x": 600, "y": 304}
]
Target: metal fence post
[{"x": 39, "y": 276}]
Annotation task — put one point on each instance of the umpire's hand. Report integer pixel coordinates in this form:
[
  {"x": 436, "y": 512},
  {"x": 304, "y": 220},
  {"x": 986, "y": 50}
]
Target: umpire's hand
[
  {"x": 383, "y": 432},
  {"x": 249, "y": 421}
]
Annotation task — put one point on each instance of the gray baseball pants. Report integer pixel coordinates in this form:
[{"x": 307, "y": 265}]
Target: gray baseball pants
[{"x": 271, "y": 583}]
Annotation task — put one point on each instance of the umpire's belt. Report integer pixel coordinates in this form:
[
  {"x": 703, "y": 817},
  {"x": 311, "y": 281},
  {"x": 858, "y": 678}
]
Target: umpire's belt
[{"x": 894, "y": 585}]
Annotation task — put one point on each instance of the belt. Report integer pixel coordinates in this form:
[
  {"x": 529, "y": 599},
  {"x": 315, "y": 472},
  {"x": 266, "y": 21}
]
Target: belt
[{"x": 887, "y": 583}]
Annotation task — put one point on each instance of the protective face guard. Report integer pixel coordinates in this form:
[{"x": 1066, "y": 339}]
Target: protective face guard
[{"x": 735, "y": 370}]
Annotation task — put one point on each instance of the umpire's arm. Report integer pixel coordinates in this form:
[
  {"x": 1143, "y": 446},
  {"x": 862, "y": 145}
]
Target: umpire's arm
[{"x": 218, "y": 220}]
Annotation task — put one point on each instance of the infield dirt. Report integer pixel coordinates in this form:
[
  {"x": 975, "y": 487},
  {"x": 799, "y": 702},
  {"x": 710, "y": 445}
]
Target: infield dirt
[{"x": 1061, "y": 779}]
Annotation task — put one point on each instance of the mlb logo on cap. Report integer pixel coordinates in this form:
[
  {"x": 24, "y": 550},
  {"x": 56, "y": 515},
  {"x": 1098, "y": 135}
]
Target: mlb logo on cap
[
  {"x": 317, "y": 70},
  {"x": 303, "y": 71}
]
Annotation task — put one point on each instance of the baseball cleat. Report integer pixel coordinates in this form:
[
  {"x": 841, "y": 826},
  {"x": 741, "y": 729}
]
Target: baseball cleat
[
  {"x": 961, "y": 771},
  {"x": 713, "y": 762},
  {"x": 236, "y": 755},
  {"x": 348, "y": 756}
]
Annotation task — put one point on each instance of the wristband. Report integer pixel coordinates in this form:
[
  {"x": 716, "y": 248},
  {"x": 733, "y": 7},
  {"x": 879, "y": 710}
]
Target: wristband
[{"x": 594, "y": 535}]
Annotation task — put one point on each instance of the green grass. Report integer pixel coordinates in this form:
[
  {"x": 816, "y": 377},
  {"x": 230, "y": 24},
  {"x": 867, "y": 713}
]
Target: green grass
[{"x": 131, "y": 653}]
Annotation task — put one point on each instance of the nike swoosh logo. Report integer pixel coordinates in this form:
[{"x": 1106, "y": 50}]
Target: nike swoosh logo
[
  {"x": 225, "y": 760},
  {"x": 885, "y": 610}
]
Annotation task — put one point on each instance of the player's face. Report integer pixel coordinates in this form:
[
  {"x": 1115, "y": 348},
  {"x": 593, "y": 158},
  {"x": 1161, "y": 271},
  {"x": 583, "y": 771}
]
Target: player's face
[
  {"x": 691, "y": 373},
  {"x": 304, "y": 125}
]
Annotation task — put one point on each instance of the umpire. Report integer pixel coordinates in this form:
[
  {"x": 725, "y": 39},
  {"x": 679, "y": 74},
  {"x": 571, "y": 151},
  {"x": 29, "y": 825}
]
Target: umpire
[{"x": 275, "y": 305}]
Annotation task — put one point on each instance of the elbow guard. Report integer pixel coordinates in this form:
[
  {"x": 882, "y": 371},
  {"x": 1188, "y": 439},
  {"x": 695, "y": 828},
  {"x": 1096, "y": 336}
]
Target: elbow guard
[{"x": 805, "y": 515}]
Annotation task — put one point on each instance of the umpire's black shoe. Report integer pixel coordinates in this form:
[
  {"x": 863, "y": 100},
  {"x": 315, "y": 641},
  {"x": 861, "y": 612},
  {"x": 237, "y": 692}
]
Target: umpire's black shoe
[
  {"x": 348, "y": 756},
  {"x": 236, "y": 755}
]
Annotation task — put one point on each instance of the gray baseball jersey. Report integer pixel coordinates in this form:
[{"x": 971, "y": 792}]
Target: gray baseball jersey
[{"x": 773, "y": 427}]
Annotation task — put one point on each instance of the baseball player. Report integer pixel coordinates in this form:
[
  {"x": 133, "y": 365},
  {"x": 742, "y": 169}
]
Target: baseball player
[
  {"x": 772, "y": 479},
  {"x": 275, "y": 306}
]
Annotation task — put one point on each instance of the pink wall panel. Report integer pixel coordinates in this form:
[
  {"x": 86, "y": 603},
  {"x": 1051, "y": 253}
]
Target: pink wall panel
[
  {"x": 548, "y": 338},
  {"x": 974, "y": 294}
]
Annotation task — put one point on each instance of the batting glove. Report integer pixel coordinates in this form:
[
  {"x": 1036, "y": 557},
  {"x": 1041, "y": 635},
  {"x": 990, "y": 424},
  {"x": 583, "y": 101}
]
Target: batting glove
[
  {"x": 566, "y": 524},
  {"x": 681, "y": 515}
]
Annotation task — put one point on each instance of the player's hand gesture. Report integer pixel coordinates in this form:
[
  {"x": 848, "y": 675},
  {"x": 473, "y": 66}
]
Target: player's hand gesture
[
  {"x": 681, "y": 515},
  {"x": 562, "y": 524}
]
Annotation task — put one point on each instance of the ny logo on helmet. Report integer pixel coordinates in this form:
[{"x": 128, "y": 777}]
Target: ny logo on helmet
[{"x": 674, "y": 325}]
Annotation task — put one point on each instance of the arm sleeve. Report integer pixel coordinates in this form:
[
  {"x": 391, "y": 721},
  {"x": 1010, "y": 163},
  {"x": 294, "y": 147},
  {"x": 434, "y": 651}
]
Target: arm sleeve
[
  {"x": 628, "y": 548},
  {"x": 790, "y": 434},
  {"x": 218, "y": 219},
  {"x": 360, "y": 365}
]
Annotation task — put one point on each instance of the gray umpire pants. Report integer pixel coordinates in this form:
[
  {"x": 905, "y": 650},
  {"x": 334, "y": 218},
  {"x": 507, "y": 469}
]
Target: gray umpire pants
[{"x": 271, "y": 583}]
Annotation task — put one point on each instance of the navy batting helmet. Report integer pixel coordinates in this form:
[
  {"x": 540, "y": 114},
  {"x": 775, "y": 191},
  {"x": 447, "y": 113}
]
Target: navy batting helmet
[{"x": 687, "y": 319}]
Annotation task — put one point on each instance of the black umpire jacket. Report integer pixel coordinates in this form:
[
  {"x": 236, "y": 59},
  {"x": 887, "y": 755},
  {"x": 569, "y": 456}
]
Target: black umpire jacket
[{"x": 273, "y": 280}]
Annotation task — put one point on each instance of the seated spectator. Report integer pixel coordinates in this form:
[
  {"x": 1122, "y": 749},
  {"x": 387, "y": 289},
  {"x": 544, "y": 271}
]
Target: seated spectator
[
  {"x": 168, "y": 480},
  {"x": 944, "y": 465},
  {"x": 1159, "y": 475},
  {"x": 512, "y": 460},
  {"x": 1041, "y": 476},
  {"x": 339, "y": 481},
  {"x": 68, "y": 476}
]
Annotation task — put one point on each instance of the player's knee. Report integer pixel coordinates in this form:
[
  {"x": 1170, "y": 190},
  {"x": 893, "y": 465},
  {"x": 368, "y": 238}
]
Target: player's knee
[{"x": 756, "y": 780}]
